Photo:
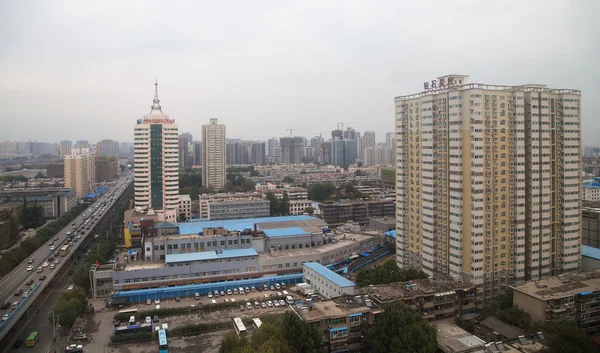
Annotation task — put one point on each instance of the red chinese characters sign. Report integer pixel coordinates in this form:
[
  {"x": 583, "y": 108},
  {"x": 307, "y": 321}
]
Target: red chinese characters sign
[{"x": 159, "y": 121}]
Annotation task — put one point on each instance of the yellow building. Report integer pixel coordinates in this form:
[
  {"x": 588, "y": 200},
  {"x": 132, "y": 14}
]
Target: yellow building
[
  {"x": 80, "y": 171},
  {"x": 488, "y": 181}
]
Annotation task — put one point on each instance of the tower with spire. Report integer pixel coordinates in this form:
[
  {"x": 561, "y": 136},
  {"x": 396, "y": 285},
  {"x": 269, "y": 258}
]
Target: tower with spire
[{"x": 156, "y": 162}]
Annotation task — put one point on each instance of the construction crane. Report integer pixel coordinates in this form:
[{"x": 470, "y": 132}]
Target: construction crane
[
  {"x": 345, "y": 122},
  {"x": 291, "y": 130}
]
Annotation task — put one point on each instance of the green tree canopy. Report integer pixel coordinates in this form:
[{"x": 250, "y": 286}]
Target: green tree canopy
[
  {"x": 389, "y": 272},
  {"x": 401, "y": 330},
  {"x": 566, "y": 337}
]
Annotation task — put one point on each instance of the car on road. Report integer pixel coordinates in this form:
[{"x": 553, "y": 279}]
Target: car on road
[
  {"x": 56, "y": 239},
  {"x": 5, "y": 305},
  {"x": 148, "y": 301},
  {"x": 19, "y": 292},
  {"x": 29, "y": 268},
  {"x": 29, "y": 282},
  {"x": 30, "y": 261},
  {"x": 42, "y": 277},
  {"x": 52, "y": 266},
  {"x": 5, "y": 317},
  {"x": 45, "y": 264},
  {"x": 18, "y": 344},
  {"x": 52, "y": 248},
  {"x": 156, "y": 301},
  {"x": 25, "y": 295}
]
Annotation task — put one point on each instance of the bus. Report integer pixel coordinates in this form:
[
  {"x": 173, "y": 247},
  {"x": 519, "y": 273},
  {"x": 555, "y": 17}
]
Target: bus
[
  {"x": 32, "y": 339},
  {"x": 64, "y": 250},
  {"x": 256, "y": 323},
  {"x": 122, "y": 330},
  {"x": 162, "y": 341},
  {"x": 239, "y": 327}
]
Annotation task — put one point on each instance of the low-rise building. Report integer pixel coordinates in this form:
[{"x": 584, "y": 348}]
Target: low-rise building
[
  {"x": 590, "y": 258},
  {"x": 342, "y": 321},
  {"x": 338, "y": 213},
  {"x": 451, "y": 338},
  {"x": 55, "y": 202},
  {"x": 492, "y": 329},
  {"x": 574, "y": 297},
  {"x": 383, "y": 224},
  {"x": 298, "y": 206},
  {"x": 434, "y": 299},
  {"x": 328, "y": 283},
  {"x": 101, "y": 280},
  {"x": 221, "y": 210},
  {"x": 590, "y": 228}
]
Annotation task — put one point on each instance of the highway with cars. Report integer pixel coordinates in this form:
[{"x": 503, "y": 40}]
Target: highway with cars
[{"x": 21, "y": 286}]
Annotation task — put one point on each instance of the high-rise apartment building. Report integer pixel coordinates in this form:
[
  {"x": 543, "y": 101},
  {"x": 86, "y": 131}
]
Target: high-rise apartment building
[
  {"x": 368, "y": 139},
  {"x": 257, "y": 153},
  {"x": 108, "y": 148},
  {"x": 213, "y": 155},
  {"x": 343, "y": 152},
  {"x": 197, "y": 152},
  {"x": 291, "y": 149},
  {"x": 186, "y": 156},
  {"x": 82, "y": 144},
  {"x": 156, "y": 163},
  {"x": 65, "y": 148},
  {"x": 390, "y": 139},
  {"x": 80, "y": 171},
  {"x": 488, "y": 181}
]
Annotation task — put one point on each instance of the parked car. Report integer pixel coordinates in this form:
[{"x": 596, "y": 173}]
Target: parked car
[
  {"x": 222, "y": 293},
  {"x": 277, "y": 286},
  {"x": 269, "y": 303},
  {"x": 265, "y": 287},
  {"x": 157, "y": 301},
  {"x": 177, "y": 299},
  {"x": 148, "y": 320},
  {"x": 253, "y": 289},
  {"x": 248, "y": 306},
  {"x": 148, "y": 301},
  {"x": 276, "y": 303},
  {"x": 256, "y": 305},
  {"x": 80, "y": 337},
  {"x": 155, "y": 319},
  {"x": 281, "y": 302},
  {"x": 210, "y": 294},
  {"x": 263, "y": 305},
  {"x": 229, "y": 292},
  {"x": 272, "y": 287}
]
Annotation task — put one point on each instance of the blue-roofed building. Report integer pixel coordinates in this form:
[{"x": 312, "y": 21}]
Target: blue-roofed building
[
  {"x": 194, "y": 258},
  {"x": 591, "y": 190},
  {"x": 590, "y": 258},
  {"x": 328, "y": 283}
]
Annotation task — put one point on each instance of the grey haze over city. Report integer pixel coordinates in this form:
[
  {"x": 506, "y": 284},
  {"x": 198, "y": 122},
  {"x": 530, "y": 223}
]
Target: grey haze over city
[{"x": 86, "y": 70}]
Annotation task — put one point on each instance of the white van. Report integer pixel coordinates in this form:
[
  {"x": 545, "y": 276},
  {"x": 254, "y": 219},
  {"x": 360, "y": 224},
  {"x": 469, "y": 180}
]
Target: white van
[
  {"x": 197, "y": 296},
  {"x": 15, "y": 304},
  {"x": 132, "y": 320}
]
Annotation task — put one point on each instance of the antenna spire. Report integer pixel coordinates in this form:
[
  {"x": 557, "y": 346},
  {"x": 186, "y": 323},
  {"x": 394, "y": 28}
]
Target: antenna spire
[{"x": 156, "y": 101}]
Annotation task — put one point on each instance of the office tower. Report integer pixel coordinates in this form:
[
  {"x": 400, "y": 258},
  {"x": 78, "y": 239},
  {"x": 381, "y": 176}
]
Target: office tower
[
  {"x": 82, "y": 144},
  {"x": 197, "y": 153},
  {"x": 156, "y": 162},
  {"x": 257, "y": 153},
  {"x": 185, "y": 150},
  {"x": 213, "y": 155},
  {"x": 108, "y": 148},
  {"x": 488, "y": 182},
  {"x": 291, "y": 149},
  {"x": 350, "y": 134},
  {"x": 80, "y": 170},
  {"x": 65, "y": 148},
  {"x": 326, "y": 148}
]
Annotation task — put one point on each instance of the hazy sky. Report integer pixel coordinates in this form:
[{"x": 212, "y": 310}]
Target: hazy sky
[{"x": 85, "y": 70}]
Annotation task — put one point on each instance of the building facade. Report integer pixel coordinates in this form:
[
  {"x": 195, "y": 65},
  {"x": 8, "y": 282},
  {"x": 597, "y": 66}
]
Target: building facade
[
  {"x": 156, "y": 162},
  {"x": 108, "y": 148},
  {"x": 106, "y": 169},
  {"x": 186, "y": 154},
  {"x": 236, "y": 209},
  {"x": 213, "y": 155},
  {"x": 328, "y": 283},
  {"x": 185, "y": 208},
  {"x": 590, "y": 219},
  {"x": 488, "y": 181},
  {"x": 80, "y": 171},
  {"x": 291, "y": 149},
  {"x": 591, "y": 190},
  {"x": 338, "y": 213}
]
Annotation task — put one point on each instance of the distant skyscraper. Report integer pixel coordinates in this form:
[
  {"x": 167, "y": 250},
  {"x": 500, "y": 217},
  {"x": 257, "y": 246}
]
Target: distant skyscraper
[
  {"x": 65, "y": 148},
  {"x": 368, "y": 139},
  {"x": 257, "y": 153},
  {"x": 185, "y": 150},
  {"x": 489, "y": 182},
  {"x": 108, "y": 148},
  {"x": 271, "y": 144},
  {"x": 197, "y": 153},
  {"x": 317, "y": 143},
  {"x": 156, "y": 162},
  {"x": 326, "y": 148},
  {"x": 390, "y": 139},
  {"x": 213, "y": 155},
  {"x": 80, "y": 170},
  {"x": 82, "y": 144},
  {"x": 343, "y": 152},
  {"x": 291, "y": 149}
]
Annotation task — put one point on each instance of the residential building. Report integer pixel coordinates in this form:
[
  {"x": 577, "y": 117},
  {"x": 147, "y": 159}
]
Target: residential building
[
  {"x": 291, "y": 149},
  {"x": 156, "y": 162},
  {"x": 55, "y": 201},
  {"x": 297, "y": 207},
  {"x": 108, "y": 148},
  {"x": 326, "y": 151},
  {"x": 257, "y": 153},
  {"x": 493, "y": 329},
  {"x": 197, "y": 153},
  {"x": 488, "y": 181},
  {"x": 574, "y": 297},
  {"x": 65, "y": 148},
  {"x": 591, "y": 190},
  {"x": 590, "y": 258},
  {"x": 235, "y": 209},
  {"x": 590, "y": 217},
  {"x": 328, "y": 283},
  {"x": 82, "y": 144},
  {"x": 80, "y": 171},
  {"x": 343, "y": 152},
  {"x": 434, "y": 299},
  {"x": 206, "y": 199},
  {"x": 185, "y": 208},
  {"x": 343, "y": 321},
  {"x": 338, "y": 213},
  {"x": 213, "y": 155},
  {"x": 186, "y": 156},
  {"x": 106, "y": 169},
  {"x": 237, "y": 152},
  {"x": 379, "y": 154},
  {"x": 390, "y": 139}
]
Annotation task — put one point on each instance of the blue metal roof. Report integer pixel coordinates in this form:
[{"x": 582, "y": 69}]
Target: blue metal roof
[
  {"x": 335, "y": 329},
  {"x": 391, "y": 233},
  {"x": 595, "y": 184},
  {"x": 90, "y": 195},
  {"x": 591, "y": 252},
  {"x": 284, "y": 232},
  {"x": 237, "y": 224},
  {"x": 329, "y": 275},
  {"x": 210, "y": 255}
]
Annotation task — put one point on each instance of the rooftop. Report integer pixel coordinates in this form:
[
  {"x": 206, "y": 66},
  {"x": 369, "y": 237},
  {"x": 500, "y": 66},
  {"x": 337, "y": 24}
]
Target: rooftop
[
  {"x": 504, "y": 329},
  {"x": 209, "y": 255},
  {"x": 384, "y": 293},
  {"x": 453, "y": 339},
  {"x": 339, "y": 307},
  {"x": 591, "y": 252},
  {"x": 284, "y": 232},
  {"x": 248, "y": 223},
  {"x": 329, "y": 275},
  {"x": 562, "y": 286}
]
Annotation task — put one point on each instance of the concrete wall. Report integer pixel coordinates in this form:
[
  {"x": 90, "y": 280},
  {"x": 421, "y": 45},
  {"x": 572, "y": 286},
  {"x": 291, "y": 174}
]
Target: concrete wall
[
  {"x": 535, "y": 307},
  {"x": 588, "y": 263}
]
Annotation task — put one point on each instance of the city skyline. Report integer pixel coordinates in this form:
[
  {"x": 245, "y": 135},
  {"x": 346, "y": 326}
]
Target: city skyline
[{"x": 286, "y": 67}]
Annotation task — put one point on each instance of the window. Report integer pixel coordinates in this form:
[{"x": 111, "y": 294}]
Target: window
[{"x": 175, "y": 246}]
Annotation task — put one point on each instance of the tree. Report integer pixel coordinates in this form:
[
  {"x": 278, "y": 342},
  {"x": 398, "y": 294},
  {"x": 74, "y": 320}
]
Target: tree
[
  {"x": 389, "y": 272},
  {"x": 32, "y": 216},
  {"x": 302, "y": 336},
  {"x": 565, "y": 337},
  {"x": 309, "y": 210},
  {"x": 401, "y": 330},
  {"x": 39, "y": 175},
  {"x": 288, "y": 179},
  {"x": 273, "y": 203},
  {"x": 254, "y": 173},
  {"x": 284, "y": 204},
  {"x": 321, "y": 192},
  {"x": 358, "y": 172}
]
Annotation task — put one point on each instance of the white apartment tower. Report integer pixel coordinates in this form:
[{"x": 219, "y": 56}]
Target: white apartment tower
[
  {"x": 156, "y": 162},
  {"x": 213, "y": 155},
  {"x": 488, "y": 181},
  {"x": 80, "y": 171}
]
